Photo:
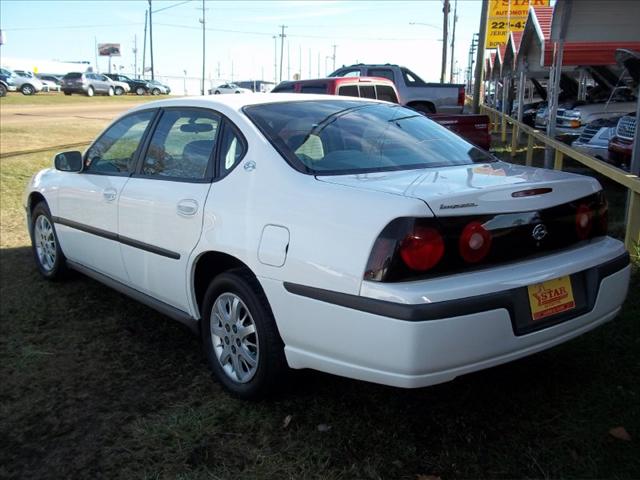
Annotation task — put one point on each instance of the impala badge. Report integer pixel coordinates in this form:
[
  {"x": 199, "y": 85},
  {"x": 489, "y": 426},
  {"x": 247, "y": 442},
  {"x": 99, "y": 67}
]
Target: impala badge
[{"x": 539, "y": 232}]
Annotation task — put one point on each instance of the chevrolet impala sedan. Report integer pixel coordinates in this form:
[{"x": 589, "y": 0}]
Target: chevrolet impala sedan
[{"x": 346, "y": 235}]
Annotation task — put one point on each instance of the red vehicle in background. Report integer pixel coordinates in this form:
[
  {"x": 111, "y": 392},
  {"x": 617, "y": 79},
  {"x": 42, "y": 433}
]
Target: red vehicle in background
[
  {"x": 473, "y": 128},
  {"x": 621, "y": 143}
]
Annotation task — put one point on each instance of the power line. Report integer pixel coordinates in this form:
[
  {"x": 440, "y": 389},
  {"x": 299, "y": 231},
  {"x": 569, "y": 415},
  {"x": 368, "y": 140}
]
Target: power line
[
  {"x": 61, "y": 27},
  {"x": 171, "y": 6},
  {"x": 322, "y": 37}
]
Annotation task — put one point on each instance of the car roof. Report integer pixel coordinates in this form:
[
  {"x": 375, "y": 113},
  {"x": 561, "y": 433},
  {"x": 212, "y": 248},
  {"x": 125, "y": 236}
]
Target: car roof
[
  {"x": 237, "y": 102},
  {"x": 362, "y": 79}
]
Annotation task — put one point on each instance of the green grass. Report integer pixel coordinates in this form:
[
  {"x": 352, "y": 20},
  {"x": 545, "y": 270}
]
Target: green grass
[{"x": 94, "y": 385}]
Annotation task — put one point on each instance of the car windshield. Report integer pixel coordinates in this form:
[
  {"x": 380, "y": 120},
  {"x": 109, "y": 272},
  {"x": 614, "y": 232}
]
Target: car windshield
[{"x": 331, "y": 137}]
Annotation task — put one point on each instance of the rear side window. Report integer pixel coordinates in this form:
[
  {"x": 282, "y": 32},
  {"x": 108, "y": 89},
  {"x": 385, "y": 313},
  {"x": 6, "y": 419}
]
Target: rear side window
[
  {"x": 284, "y": 87},
  {"x": 182, "y": 145},
  {"x": 367, "y": 91},
  {"x": 349, "y": 91},
  {"x": 387, "y": 93},
  {"x": 232, "y": 149},
  {"x": 381, "y": 72},
  {"x": 354, "y": 72},
  {"x": 115, "y": 150},
  {"x": 319, "y": 88},
  {"x": 411, "y": 79}
]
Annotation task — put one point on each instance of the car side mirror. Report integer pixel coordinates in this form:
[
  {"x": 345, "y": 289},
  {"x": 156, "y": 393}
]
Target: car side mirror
[{"x": 68, "y": 161}]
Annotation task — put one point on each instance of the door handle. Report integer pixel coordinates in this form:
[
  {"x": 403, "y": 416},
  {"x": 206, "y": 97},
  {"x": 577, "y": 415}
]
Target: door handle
[
  {"x": 187, "y": 207},
  {"x": 109, "y": 194}
]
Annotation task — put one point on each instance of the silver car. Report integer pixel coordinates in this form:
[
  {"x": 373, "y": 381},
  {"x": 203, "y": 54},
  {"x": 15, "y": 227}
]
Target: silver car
[
  {"x": 26, "y": 82},
  {"x": 88, "y": 83}
]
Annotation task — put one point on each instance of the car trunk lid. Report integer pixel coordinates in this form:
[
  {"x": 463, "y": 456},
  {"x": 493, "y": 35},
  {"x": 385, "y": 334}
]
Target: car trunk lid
[{"x": 496, "y": 187}]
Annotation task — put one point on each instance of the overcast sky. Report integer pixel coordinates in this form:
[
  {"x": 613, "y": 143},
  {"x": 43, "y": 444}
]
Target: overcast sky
[{"x": 240, "y": 34}]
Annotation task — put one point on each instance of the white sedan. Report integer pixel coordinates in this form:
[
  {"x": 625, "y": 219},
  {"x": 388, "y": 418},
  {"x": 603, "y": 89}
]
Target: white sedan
[
  {"x": 228, "y": 88},
  {"x": 346, "y": 235}
]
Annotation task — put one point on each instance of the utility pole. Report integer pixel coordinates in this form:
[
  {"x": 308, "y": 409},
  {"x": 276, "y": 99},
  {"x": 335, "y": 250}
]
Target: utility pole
[
  {"x": 95, "y": 49},
  {"x": 453, "y": 38},
  {"x": 275, "y": 59},
  {"x": 282, "y": 35},
  {"x": 144, "y": 44},
  {"x": 445, "y": 29},
  {"x": 482, "y": 35},
  {"x": 135, "y": 55},
  {"x": 151, "y": 40},
  {"x": 334, "y": 57},
  {"x": 202, "y": 20}
]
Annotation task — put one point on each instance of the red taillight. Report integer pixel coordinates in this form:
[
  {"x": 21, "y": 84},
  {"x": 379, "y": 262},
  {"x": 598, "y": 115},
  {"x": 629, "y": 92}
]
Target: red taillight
[
  {"x": 584, "y": 221},
  {"x": 422, "y": 249},
  {"x": 475, "y": 242},
  {"x": 461, "y": 96}
]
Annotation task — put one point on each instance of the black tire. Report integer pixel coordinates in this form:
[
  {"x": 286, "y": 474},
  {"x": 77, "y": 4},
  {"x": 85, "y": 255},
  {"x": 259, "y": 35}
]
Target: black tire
[
  {"x": 217, "y": 92},
  {"x": 90, "y": 91},
  {"x": 111, "y": 92},
  {"x": 27, "y": 89},
  {"x": 140, "y": 91},
  {"x": 67, "y": 93},
  {"x": 271, "y": 364},
  {"x": 3, "y": 90},
  {"x": 155, "y": 91},
  {"x": 58, "y": 269},
  {"x": 119, "y": 91}
]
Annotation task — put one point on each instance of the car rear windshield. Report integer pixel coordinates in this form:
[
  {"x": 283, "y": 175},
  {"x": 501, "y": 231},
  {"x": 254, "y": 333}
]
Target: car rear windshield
[
  {"x": 73, "y": 75},
  {"x": 331, "y": 137}
]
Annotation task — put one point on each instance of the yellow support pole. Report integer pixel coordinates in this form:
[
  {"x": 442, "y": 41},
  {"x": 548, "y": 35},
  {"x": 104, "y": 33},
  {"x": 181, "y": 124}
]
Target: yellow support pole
[
  {"x": 504, "y": 128},
  {"x": 632, "y": 237},
  {"x": 559, "y": 160},
  {"x": 529, "y": 159},
  {"x": 514, "y": 139}
]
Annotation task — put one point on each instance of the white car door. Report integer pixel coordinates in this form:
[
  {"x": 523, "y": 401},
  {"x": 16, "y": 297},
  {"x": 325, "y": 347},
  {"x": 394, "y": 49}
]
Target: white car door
[
  {"x": 87, "y": 214},
  {"x": 161, "y": 206}
]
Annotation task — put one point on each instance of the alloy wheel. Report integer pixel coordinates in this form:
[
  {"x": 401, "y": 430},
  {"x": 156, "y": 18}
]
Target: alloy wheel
[
  {"x": 45, "y": 242},
  {"x": 234, "y": 337}
]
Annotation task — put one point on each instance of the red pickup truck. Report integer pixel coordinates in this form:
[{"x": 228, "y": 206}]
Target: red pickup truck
[{"x": 473, "y": 128}]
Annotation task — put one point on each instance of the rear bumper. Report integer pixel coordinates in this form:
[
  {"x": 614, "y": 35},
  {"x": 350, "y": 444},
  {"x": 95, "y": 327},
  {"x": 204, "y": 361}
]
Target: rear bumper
[
  {"x": 624, "y": 148},
  {"x": 75, "y": 88},
  {"x": 411, "y": 344}
]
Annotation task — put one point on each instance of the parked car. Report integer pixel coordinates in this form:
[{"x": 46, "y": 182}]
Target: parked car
[
  {"x": 158, "y": 88},
  {"x": 7, "y": 83},
  {"x": 414, "y": 92},
  {"x": 88, "y": 83},
  {"x": 57, "y": 79},
  {"x": 365, "y": 87},
  {"x": 573, "y": 116},
  {"x": 621, "y": 142},
  {"x": 26, "y": 82},
  {"x": 228, "y": 88},
  {"x": 340, "y": 234},
  {"x": 594, "y": 138},
  {"x": 136, "y": 85},
  {"x": 473, "y": 128}
]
